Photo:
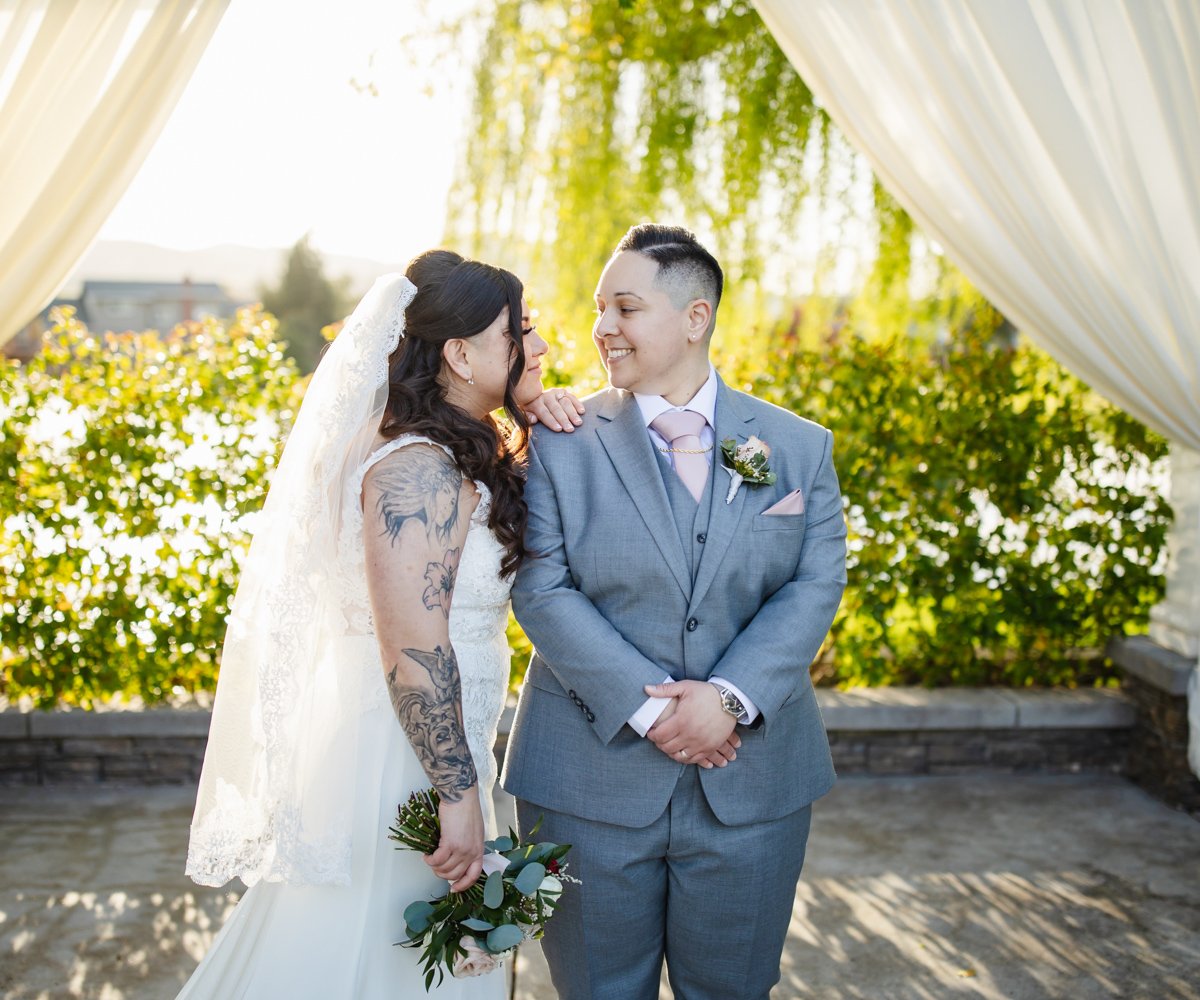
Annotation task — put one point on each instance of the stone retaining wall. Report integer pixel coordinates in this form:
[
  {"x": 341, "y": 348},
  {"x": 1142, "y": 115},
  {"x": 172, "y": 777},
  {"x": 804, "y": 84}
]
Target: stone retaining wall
[
  {"x": 871, "y": 731},
  {"x": 960, "y": 731},
  {"x": 155, "y": 746},
  {"x": 1156, "y": 685}
]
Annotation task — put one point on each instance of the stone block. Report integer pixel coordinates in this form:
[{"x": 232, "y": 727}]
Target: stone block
[
  {"x": 911, "y": 708},
  {"x": 164, "y": 722},
  {"x": 965, "y": 750},
  {"x": 1086, "y": 708},
  {"x": 1021, "y": 754},
  {"x": 188, "y": 746},
  {"x": 96, "y": 747},
  {"x": 175, "y": 767},
  {"x": 883, "y": 759},
  {"x": 24, "y": 749},
  {"x": 847, "y": 768},
  {"x": 57, "y": 771},
  {"x": 129, "y": 766},
  {"x": 14, "y": 724},
  {"x": 941, "y": 768},
  {"x": 849, "y": 755},
  {"x": 1156, "y": 665}
]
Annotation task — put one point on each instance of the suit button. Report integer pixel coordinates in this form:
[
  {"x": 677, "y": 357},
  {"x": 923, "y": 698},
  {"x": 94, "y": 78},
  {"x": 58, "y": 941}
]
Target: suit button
[
  {"x": 692, "y": 625},
  {"x": 590, "y": 716},
  {"x": 571, "y": 694},
  {"x": 702, "y": 538}
]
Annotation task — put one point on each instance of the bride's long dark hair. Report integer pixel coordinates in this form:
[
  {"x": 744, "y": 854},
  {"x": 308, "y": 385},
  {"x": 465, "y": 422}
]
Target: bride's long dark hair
[{"x": 458, "y": 298}]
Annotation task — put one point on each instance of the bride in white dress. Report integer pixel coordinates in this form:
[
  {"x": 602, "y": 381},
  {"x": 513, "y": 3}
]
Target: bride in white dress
[{"x": 366, "y": 656}]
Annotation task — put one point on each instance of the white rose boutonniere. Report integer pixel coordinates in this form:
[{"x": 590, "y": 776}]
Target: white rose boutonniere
[{"x": 746, "y": 463}]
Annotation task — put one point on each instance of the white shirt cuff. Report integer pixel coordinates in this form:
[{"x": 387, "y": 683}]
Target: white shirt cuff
[
  {"x": 751, "y": 712},
  {"x": 648, "y": 714}
]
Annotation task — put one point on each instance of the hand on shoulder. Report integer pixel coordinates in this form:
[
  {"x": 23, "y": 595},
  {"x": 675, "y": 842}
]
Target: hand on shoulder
[{"x": 558, "y": 409}]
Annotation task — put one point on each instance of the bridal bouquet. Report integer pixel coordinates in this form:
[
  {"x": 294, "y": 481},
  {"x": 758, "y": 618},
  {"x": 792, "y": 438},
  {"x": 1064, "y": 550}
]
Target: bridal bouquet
[{"x": 471, "y": 932}]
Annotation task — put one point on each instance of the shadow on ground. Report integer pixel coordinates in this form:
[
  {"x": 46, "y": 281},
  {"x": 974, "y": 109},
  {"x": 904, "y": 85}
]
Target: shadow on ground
[
  {"x": 1013, "y": 887},
  {"x": 93, "y": 899}
]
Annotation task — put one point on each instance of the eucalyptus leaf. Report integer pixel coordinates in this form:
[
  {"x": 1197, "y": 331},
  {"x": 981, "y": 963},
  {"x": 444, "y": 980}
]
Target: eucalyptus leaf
[
  {"x": 420, "y": 911},
  {"x": 530, "y": 878},
  {"x": 493, "y": 891},
  {"x": 504, "y": 937}
]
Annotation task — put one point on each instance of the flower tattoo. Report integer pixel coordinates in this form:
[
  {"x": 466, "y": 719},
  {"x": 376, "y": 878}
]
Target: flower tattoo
[{"x": 441, "y": 582}]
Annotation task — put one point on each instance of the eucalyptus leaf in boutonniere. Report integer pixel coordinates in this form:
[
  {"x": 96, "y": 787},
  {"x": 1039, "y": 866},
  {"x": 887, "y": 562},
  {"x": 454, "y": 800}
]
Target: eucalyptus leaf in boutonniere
[{"x": 746, "y": 463}]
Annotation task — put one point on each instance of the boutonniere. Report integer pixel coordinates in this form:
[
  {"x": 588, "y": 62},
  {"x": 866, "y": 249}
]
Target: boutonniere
[{"x": 746, "y": 463}]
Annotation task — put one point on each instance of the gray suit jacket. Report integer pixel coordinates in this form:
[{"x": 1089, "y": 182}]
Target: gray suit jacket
[{"x": 610, "y": 606}]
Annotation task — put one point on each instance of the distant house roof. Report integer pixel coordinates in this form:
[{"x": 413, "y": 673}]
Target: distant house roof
[{"x": 154, "y": 289}]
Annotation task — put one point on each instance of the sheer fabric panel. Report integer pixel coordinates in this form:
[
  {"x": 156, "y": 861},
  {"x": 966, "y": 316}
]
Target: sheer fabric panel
[
  {"x": 1053, "y": 148},
  {"x": 85, "y": 89}
]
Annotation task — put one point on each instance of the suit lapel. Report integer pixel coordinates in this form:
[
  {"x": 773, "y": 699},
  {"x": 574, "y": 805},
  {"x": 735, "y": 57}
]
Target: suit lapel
[
  {"x": 624, "y": 437},
  {"x": 733, "y": 421}
]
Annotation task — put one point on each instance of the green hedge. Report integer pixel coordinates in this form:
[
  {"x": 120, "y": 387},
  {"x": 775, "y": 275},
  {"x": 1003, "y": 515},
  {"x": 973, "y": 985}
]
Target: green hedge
[
  {"x": 1004, "y": 520},
  {"x": 130, "y": 466}
]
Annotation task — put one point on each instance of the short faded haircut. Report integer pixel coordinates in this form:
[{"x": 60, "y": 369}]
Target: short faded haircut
[{"x": 686, "y": 271}]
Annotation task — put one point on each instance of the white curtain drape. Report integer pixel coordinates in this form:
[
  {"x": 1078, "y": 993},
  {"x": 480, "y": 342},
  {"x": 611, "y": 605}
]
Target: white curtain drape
[
  {"x": 1053, "y": 148},
  {"x": 85, "y": 88}
]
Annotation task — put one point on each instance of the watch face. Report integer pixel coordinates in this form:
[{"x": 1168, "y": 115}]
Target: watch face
[{"x": 731, "y": 703}]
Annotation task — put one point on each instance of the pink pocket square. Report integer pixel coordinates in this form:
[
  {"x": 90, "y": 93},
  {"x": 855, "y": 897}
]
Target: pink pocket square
[{"x": 793, "y": 503}]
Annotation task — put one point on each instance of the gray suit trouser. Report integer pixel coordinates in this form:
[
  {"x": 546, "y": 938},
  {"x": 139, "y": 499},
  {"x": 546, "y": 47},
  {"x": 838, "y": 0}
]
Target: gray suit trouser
[{"x": 709, "y": 898}]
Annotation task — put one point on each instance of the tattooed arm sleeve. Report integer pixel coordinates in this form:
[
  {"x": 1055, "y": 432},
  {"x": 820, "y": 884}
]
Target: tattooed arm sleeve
[{"x": 417, "y": 508}]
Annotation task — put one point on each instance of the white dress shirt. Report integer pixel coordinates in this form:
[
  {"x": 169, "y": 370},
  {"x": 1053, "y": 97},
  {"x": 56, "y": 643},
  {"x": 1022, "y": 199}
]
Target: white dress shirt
[{"x": 703, "y": 402}]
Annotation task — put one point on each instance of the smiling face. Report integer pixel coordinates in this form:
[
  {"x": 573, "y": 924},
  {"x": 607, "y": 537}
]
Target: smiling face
[{"x": 646, "y": 343}]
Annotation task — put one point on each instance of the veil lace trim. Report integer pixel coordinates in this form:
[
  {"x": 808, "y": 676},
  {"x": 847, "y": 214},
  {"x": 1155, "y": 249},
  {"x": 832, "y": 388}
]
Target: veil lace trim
[{"x": 271, "y": 803}]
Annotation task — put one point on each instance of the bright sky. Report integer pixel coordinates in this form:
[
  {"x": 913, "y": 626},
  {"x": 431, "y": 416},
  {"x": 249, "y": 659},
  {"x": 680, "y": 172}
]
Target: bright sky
[{"x": 271, "y": 140}]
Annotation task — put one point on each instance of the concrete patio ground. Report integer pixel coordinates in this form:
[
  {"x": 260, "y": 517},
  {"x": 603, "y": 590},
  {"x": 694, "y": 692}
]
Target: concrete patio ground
[{"x": 968, "y": 886}]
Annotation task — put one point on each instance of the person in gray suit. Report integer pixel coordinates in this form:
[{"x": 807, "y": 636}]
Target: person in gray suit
[{"x": 667, "y": 727}]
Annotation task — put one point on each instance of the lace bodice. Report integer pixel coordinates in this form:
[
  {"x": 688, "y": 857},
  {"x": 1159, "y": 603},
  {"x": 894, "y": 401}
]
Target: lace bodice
[{"x": 478, "y": 614}]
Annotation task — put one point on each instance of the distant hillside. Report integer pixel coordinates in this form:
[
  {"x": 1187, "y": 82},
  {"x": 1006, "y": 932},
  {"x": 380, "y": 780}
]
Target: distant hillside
[{"x": 241, "y": 271}]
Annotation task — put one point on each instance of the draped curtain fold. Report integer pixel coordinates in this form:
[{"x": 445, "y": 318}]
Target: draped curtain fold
[
  {"x": 85, "y": 89},
  {"x": 1053, "y": 148}
]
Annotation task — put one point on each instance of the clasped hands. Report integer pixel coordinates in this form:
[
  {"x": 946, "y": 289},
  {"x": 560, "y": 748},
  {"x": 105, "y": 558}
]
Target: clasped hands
[{"x": 693, "y": 727}]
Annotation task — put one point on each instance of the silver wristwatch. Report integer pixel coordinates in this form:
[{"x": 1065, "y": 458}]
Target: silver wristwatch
[{"x": 730, "y": 702}]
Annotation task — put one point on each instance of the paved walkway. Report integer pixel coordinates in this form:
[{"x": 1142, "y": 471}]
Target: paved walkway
[{"x": 997, "y": 887}]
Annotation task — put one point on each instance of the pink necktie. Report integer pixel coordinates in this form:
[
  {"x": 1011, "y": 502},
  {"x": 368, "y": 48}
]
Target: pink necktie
[{"x": 681, "y": 429}]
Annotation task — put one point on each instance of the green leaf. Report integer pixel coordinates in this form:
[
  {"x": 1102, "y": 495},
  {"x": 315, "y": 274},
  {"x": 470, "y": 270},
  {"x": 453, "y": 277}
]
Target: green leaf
[
  {"x": 504, "y": 937},
  {"x": 417, "y": 916},
  {"x": 475, "y": 924},
  {"x": 530, "y": 878},
  {"x": 493, "y": 891}
]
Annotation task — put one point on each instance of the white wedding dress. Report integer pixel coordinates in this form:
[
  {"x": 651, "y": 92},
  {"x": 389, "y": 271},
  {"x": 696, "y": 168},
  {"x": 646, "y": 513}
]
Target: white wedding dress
[{"x": 339, "y": 942}]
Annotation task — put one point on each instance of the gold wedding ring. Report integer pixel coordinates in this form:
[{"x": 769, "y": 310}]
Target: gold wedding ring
[{"x": 560, "y": 396}]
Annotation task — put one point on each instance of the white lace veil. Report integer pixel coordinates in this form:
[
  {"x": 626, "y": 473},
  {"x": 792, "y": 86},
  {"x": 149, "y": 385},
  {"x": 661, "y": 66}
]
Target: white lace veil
[{"x": 273, "y": 802}]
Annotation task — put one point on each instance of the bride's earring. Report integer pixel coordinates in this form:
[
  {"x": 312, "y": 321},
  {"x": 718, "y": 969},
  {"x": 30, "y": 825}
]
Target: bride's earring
[{"x": 470, "y": 380}]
